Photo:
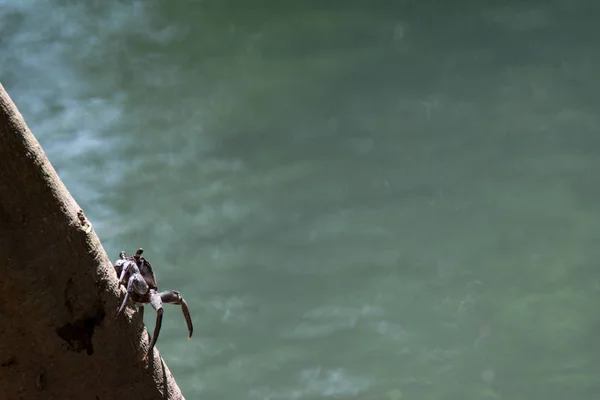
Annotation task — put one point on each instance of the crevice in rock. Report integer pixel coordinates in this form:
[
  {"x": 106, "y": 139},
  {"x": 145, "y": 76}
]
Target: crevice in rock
[{"x": 79, "y": 333}]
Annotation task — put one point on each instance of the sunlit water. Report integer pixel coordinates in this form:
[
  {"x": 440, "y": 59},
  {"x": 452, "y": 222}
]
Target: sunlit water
[{"x": 370, "y": 202}]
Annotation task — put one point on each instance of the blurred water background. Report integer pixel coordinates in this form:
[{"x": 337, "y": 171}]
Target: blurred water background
[{"x": 375, "y": 200}]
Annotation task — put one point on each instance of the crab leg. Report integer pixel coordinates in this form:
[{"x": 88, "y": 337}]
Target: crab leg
[
  {"x": 188, "y": 318},
  {"x": 136, "y": 283},
  {"x": 129, "y": 289},
  {"x": 156, "y": 302},
  {"x": 124, "y": 270},
  {"x": 174, "y": 297}
]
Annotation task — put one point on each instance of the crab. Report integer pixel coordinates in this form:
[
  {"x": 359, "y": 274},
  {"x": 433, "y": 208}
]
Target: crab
[{"x": 136, "y": 274}]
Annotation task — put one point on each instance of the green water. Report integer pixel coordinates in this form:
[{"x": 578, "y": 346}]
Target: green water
[{"x": 359, "y": 200}]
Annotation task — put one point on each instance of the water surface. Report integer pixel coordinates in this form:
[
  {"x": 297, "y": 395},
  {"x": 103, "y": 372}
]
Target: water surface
[{"x": 359, "y": 200}]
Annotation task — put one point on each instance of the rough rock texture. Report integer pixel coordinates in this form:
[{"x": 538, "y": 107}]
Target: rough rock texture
[{"x": 59, "y": 338}]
